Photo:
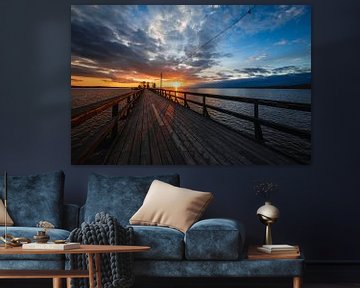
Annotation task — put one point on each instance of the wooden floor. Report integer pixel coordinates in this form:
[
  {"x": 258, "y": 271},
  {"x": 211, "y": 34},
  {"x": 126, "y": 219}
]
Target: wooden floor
[{"x": 161, "y": 132}]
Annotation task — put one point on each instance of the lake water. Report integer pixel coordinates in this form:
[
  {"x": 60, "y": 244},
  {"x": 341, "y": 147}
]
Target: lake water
[
  {"x": 291, "y": 145},
  {"x": 84, "y": 96},
  {"x": 294, "y": 118}
]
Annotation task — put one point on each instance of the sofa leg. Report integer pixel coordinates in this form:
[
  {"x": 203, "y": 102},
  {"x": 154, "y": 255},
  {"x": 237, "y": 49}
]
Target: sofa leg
[
  {"x": 57, "y": 283},
  {"x": 297, "y": 282}
]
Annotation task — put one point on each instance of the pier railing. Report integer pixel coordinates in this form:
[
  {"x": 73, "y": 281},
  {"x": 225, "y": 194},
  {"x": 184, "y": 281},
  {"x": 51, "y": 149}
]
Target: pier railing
[
  {"x": 82, "y": 114},
  {"x": 258, "y": 122}
]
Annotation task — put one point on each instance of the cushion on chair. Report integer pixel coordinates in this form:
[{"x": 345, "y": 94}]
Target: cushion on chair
[
  {"x": 214, "y": 239},
  {"x": 165, "y": 243},
  {"x": 35, "y": 198},
  {"x": 119, "y": 196},
  {"x": 9, "y": 221}
]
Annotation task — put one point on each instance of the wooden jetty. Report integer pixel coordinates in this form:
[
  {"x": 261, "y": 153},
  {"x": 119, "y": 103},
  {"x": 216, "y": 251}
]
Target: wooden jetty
[{"x": 158, "y": 127}]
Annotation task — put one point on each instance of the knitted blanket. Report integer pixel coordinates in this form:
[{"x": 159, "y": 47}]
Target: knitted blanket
[{"x": 116, "y": 268}]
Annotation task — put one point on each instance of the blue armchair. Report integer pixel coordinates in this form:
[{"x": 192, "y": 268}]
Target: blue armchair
[{"x": 32, "y": 199}]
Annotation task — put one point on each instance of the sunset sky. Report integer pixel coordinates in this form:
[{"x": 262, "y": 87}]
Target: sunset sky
[{"x": 122, "y": 45}]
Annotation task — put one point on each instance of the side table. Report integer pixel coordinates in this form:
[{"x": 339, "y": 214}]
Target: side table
[
  {"x": 254, "y": 255},
  {"x": 93, "y": 251}
]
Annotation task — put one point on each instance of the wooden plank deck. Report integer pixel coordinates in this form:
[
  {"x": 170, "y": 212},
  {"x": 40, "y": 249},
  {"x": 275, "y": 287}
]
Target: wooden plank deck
[{"x": 161, "y": 132}]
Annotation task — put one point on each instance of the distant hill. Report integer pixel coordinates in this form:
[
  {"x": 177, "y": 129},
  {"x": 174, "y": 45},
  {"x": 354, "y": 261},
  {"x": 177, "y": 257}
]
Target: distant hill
[
  {"x": 100, "y": 87},
  {"x": 299, "y": 81}
]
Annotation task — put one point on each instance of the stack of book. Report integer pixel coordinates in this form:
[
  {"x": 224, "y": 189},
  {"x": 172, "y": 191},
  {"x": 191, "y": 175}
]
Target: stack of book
[
  {"x": 274, "y": 252},
  {"x": 279, "y": 249},
  {"x": 51, "y": 246}
]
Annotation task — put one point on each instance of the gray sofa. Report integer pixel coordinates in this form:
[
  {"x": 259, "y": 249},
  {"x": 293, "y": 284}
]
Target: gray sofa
[
  {"x": 32, "y": 199},
  {"x": 210, "y": 248}
]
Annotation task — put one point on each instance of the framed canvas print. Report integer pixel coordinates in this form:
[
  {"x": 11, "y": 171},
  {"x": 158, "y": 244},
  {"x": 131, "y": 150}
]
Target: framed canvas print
[{"x": 191, "y": 84}]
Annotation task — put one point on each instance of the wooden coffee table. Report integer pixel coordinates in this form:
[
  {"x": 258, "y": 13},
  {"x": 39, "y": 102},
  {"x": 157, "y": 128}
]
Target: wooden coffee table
[{"x": 92, "y": 251}]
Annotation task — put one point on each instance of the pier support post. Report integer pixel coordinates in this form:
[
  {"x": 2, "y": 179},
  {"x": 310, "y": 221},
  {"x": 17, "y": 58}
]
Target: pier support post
[
  {"x": 115, "y": 112},
  {"x": 205, "y": 112},
  {"x": 185, "y": 101},
  {"x": 258, "y": 132}
]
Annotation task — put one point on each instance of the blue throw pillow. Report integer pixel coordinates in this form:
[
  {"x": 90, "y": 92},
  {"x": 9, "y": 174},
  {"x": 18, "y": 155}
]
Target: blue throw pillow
[
  {"x": 35, "y": 198},
  {"x": 120, "y": 196}
]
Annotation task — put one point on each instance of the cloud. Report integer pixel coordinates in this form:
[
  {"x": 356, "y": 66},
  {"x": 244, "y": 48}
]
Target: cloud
[
  {"x": 281, "y": 42},
  {"x": 289, "y": 42},
  {"x": 251, "y": 72},
  {"x": 110, "y": 41},
  {"x": 257, "y": 57},
  {"x": 290, "y": 70},
  {"x": 145, "y": 38},
  {"x": 294, "y": 11},
  {"x": 223, "y": 76},
  {"x": 271, "y": 17}
]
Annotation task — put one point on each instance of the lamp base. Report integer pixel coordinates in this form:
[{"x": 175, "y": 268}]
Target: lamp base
[{"x": 268, "y": 237}]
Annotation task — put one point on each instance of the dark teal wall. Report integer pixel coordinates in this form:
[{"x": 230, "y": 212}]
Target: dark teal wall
[{"x": 318, "y": 202}]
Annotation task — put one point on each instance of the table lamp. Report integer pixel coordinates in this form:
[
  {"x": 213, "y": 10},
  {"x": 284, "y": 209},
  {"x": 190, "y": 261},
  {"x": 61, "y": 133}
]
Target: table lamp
[{"x": 268, "y": 214}]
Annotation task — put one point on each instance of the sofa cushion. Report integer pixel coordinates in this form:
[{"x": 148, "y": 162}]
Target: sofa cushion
[
  {"x": 214, "y": 269},
  {"x": 35, "y": 198},
  {"x": 119, "y": 196},
  {"x": 170, "y": 206},
  {"x": 9, "y": 221},
  {"x": 165, "y": 243},
  {"x": 214, "y": 239},
  {"x": 29, "y": 232}
]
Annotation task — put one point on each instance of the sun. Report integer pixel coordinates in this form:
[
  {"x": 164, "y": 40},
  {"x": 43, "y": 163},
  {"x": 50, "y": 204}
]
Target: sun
[{"x": 176, "y": 84}]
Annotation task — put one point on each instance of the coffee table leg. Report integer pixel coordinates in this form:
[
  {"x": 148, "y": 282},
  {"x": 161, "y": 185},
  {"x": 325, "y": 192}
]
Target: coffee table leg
[
  {"x": 297, "y": 282},
  {"x": 91, "y": 270},
  {"x": 57, "y": 283},
  {"x": 98, "y": 270},
  {"x": 68, "y": 282}
]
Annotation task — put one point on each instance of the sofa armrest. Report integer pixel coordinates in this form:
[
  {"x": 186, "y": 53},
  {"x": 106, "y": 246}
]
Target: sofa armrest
[
  {"x": 71, "y": 216},
  {"x": 215, "y": 239}
]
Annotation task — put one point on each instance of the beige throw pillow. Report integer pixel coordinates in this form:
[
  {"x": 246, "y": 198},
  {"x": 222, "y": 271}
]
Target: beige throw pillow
[
  {"x": 170, "y": 206},
  {"x": 10, "y": 222}
]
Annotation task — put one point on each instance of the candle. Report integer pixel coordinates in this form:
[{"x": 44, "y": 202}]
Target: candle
[
  {"x": 5, "y": 186},
  {"x": 5, "y": 204}
]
